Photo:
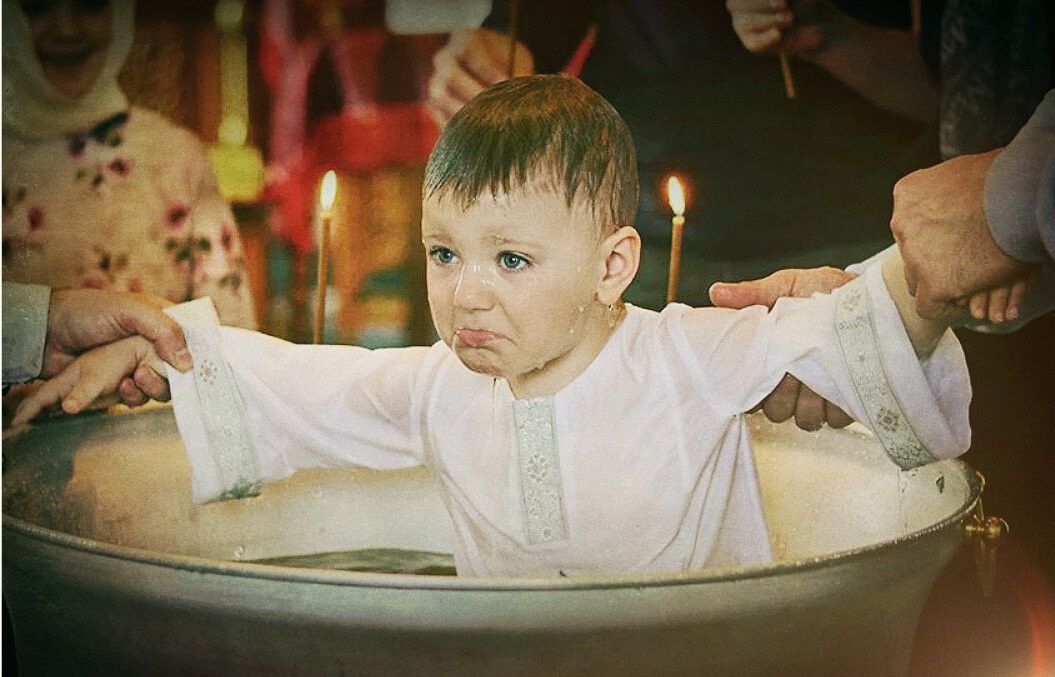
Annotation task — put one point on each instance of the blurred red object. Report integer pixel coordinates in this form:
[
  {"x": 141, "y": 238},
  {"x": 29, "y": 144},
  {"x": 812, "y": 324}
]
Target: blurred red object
[
  {"x": 330, "y": 109},
  {"x": 371, "y": 137},
  {"x": 366, "y": 139},
  {"x": 1011, "y": 632}
]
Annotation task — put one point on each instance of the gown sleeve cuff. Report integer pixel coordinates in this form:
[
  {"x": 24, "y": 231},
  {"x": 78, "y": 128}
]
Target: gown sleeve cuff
[
  {"x": 209, "y": 410},
  {"x": 917, "y": 408}
]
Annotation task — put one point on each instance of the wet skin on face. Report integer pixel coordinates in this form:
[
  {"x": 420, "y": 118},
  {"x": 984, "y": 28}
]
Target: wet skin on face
[{"x": 513, "y": 285}]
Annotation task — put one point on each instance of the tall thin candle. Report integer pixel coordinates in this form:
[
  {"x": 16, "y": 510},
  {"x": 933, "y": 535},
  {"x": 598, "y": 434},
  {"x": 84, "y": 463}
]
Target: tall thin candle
[
  {"x": 676, "y": 198},
  {"x": 327, "y": 196},
  {"x": 514, "y": 19},
  {"x": 785, "y": 71}
]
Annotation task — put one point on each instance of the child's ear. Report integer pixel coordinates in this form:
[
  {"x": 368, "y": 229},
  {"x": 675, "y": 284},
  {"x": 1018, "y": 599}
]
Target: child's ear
[{"x": 622, "y": 256}]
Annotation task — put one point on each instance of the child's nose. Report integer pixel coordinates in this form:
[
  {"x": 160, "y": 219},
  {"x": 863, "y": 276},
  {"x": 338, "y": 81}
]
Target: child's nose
[{"x": 474, "y": 289}]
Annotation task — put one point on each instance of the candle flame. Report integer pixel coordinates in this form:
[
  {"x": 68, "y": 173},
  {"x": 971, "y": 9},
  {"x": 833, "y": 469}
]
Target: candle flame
[
  {"x": 328, "y": 193},
  {"x": 676, "y": 196}
]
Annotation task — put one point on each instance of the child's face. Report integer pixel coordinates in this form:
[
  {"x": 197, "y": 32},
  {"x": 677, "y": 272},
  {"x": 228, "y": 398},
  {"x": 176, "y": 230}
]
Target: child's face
[
  {"x": 71, "y": 39},
  {"x": 513, "y": 282}
]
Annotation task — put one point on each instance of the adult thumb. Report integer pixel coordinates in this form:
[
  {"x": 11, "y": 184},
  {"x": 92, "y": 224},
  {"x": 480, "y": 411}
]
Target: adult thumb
[{"x": 738, "y": 295}]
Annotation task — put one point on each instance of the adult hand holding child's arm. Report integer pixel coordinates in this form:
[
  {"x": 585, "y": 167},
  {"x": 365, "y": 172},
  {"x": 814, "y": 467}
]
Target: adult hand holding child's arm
[
  {"x": 864, "y": 349},
  {"x": 100, "y": 371},
  {"x": 83, "y": 318},
  {"x": 790, "y": 397}
]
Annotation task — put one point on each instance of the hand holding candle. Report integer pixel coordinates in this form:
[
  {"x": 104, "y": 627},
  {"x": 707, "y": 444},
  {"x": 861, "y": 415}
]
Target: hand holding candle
[
  {"x": 327, "y": 195},
  {"x": 676, "y": 198},
  {"x": 763, "y": 27}
]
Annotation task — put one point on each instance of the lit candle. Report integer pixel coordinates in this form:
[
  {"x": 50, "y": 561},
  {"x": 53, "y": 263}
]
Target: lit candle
[
  {"x": 676, "y": 198},
  {"x": 327, "y": 195}
]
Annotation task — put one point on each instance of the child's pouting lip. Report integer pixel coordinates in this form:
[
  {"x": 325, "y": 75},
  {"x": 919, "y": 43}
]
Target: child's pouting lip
[{"x": 475, "y": 338}]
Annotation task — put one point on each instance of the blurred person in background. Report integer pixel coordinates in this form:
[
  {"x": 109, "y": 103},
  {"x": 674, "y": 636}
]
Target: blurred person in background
[{"x": 98, "y": 193}]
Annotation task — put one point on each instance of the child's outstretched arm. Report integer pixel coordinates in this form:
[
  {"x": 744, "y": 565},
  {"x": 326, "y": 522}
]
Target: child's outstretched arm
[
  {"x": 127, "y": 366},
  {"x": 923, "y": 333}
]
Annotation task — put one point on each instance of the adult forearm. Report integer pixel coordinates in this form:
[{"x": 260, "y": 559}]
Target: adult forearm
[{"x": 882, "y": 65}]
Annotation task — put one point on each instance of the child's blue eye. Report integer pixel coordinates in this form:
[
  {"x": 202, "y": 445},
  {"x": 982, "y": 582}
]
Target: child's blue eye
[
  {"x": 511, "y": 261},
  {"x": 441, "y": 255}
]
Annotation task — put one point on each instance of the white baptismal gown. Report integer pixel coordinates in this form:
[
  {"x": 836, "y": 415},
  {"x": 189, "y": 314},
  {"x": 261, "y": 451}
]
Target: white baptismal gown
[{"x": 643, "y": 463}]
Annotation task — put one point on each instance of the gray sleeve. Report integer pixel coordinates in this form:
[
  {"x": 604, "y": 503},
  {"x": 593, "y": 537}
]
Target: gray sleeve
[
  {"x": 25, "y": 312},
  {"x": 1020, "y": 190}
]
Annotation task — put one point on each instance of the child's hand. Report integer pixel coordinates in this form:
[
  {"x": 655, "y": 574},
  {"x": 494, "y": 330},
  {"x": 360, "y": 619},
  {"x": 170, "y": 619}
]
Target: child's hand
[
  {"x": 1000, "y": 304},
  {"x": 129, "y": 366}
]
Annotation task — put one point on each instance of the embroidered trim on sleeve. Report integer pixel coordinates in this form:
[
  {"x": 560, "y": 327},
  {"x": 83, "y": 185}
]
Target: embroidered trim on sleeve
[
  {"x": 222, "y": 411},
  {"x": 540, "y": 476},
  {"x": 855, "y": 327}
]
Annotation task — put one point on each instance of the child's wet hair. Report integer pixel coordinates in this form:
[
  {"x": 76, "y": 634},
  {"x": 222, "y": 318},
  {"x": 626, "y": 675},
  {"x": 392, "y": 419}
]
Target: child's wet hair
[{"x": 551, "y": 129}]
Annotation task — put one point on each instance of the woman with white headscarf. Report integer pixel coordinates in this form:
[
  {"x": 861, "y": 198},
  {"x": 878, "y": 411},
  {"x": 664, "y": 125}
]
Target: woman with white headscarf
[{"x": 98, "y": 193}]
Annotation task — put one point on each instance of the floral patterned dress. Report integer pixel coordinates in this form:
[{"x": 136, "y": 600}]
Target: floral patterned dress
[{"x": 130, "y": 205}]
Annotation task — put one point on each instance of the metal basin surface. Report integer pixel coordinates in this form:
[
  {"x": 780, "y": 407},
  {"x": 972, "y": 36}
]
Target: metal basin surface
[{"x": 109, "y": 567}]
